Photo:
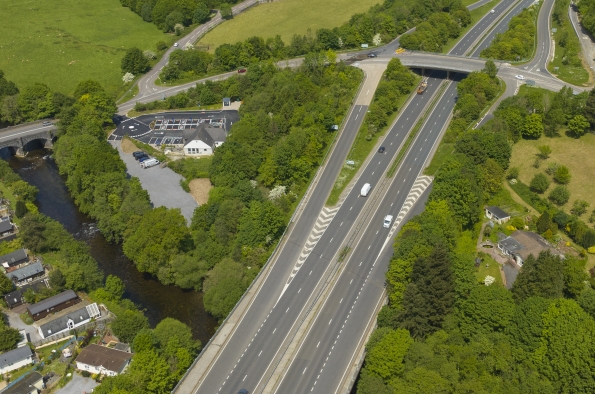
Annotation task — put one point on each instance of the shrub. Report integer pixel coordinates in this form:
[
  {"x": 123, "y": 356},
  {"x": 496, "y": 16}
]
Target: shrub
[
  {"x": 544, "y": 151},
  {"x": 539, "y": 183},
  {"x": 579, "y": 207},
  {"x": 551, "y": 168},
  {"x": 560, "y": 195},
  {"x": 562, "y": 175},
  {"x": 513, "y": 173}
]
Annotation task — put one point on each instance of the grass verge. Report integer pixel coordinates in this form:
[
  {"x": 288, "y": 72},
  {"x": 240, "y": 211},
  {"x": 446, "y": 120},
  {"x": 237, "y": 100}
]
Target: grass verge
[
  {"x": 286, "y": 18},
  {"x": 574, "y": 72},
  {"x": 414, "y": 131},
  {"x": 476, "y": 15},
  {"x": 61, "y": 43},
  {"x": 360, "y": 150}
]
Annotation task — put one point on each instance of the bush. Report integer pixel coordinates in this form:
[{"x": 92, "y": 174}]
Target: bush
[
  {"x": 513, "y": 173},
  {"x": 560, "y": 195},
  {"x": 21, "y": 209},
  {"x": 539, "y": 183},
  {"x": 85, "y": 374},
  {"x": 579, "y": 207},
  {"x": 562, "y": 175}
]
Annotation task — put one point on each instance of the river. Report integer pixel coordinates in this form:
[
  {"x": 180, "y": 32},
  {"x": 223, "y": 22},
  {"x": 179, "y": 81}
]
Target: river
[{"x": 157, "y": 300}]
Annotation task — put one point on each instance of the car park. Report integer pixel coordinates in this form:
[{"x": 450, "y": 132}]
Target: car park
[
  {"x": 241, "y": 70},
  {"x": 388, "y": 219},
  {"x": 381, "y": 149},
  {"x": 519, "y": 77}
]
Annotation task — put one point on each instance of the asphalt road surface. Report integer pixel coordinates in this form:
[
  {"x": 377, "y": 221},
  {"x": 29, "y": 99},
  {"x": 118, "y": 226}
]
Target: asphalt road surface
[{"x": 25, "y": 129}]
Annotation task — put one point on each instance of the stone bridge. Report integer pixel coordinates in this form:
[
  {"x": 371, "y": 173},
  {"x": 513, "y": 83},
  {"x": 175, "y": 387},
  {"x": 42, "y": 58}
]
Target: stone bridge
[{"x": 18, "y": 138}]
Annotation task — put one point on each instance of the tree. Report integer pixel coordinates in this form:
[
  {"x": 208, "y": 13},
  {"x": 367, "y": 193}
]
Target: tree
[
  {"x": 57, "y": 280},
  {"x": 170, "y": 329},
  {"x": 128, "y": 324},
  {"x": 567, "y": 343},
  {"x": 429, "y": 298},
  {"x": 88, "y": 86},
  {"x": 385, "y": 360},
  {"x": 134, "y": 62},
  {"x": 114, "y": 286},
  {"x": 544, "y": 222},
  {"x": 533, "y": 127},
  {"x": 575, "y": 277},
  {"x": 6, "y": 284},
  {"x": 151, "y": 372},
  {"x": 544, "y": 151},
  {"x": 9, "y": 337},
  {"x": 226, "y": 11},
  {"x": 540, "y": 277},
  {"x": 201, "y": 13},
  {"x": 513, "y": 173},
  {"x": 579, "y": 207},
  {"x": 559, "y": 195},
  {"x": 587, "y": 301},
  {"x": 223, "y": 287},
  {"x": 562, "y": 175},
  {"x": 144, "y": 341},
  {"x": 578, "y": 125},
  {"x": 487, "y": 309},
  {"x": 539, "y": 183},
  {"x": 21, "y": 209},
  {"x": 25, "y": 191},
  {"x": 490, "y": 69},
  {"x": 589, "y": 111}
]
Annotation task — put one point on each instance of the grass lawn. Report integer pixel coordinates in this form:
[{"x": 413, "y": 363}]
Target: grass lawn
[
  {"x": 286, "y": 17},
  {"x": 443, "y": 152},
  {"x": 61, "y": 43},
  {"x": 576, "y": 75},
  {"x": 492, "y": 270},
  {"x": 576, "y": 154},
  {"x": 476, "y": 15}
]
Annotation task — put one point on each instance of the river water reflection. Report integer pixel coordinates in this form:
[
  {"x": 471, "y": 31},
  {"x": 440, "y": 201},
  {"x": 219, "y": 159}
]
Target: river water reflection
[{"x": 157, "y": 300}]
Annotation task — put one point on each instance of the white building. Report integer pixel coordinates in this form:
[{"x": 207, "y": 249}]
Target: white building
[
  {"x": 204, "y": 140},
  {"x": 197, "y": 148},
  {"x": 67, "y": 320},
  {"x": 102, "y": 360},
  {"x": 15, "y": 359}
]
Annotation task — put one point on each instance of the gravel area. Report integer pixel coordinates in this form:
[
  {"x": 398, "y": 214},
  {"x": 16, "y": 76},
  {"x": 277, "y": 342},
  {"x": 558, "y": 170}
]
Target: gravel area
[
  {"x": 78, "y": 385},
  {"x": 162, "y": 184}
]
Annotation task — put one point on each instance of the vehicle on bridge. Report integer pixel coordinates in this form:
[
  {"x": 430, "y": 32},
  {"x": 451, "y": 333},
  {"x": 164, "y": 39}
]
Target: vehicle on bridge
[{"x": 422, "y": 86}]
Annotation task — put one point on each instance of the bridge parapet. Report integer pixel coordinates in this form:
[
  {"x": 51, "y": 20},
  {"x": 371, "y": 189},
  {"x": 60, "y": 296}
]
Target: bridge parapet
[{"x": 18, "y": 141}]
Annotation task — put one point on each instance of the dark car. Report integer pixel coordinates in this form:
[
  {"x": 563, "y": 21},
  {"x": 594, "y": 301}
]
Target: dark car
[
  {"x": 381, "y": 149},
  {"x": 243, "y": 391},
  {"x": 241, "y": 70},
  {"x": 372, "y": 55},
  {"x": 138, "y": 154},
  {"x": 140, "y": 160}
]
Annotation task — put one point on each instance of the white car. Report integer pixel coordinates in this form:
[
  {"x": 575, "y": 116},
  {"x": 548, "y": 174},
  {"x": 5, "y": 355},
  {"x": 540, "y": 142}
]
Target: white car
[
  {"x": 519, "y": 77},
  {"x": 176, "y": 44},
  {"x": 388, "y": 219},
  {"x": 492, "y": 11}
]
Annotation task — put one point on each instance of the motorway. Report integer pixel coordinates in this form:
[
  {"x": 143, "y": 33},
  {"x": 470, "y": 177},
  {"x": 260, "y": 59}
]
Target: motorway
[{"x": 252, "y": 360}]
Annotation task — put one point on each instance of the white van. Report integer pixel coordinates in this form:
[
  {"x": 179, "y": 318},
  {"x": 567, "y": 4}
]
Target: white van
[
  {"x": 149, "y": 163},
  {"x": 388, "y": 219},
  {"x": 365, "y": 190}
]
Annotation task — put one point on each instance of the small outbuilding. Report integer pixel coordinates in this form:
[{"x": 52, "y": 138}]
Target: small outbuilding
[{"x": 496, "y": 214}]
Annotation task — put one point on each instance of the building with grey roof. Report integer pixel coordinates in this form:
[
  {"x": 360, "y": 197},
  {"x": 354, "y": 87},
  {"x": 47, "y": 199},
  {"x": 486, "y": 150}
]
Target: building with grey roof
[
  {"x": 30, "y": 384},
  {"x": 54, "y": 304},
  {"x": 15, "y": 258},
  {"x": 15, "y": 359},
  {"x": 497, "y": 215},
  {"x": 15, "y": 298},
  {"x": 521, "y": 244},
  {"x": 26, "y": 274},
  {"x": 7, "y": 229},
  {"x": 69, "y": 321}
]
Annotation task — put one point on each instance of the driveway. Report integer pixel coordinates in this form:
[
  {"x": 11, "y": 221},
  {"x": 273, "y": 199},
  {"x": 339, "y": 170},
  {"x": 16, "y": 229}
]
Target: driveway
[
  {"x": 162, "y": 184},
  {"x": 78, "y": 385},
  {"x": 14, "y": 320}
]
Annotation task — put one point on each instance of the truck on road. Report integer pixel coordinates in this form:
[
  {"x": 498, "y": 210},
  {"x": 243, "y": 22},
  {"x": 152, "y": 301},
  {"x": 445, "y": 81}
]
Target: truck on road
[{"x": 422, "y": 86}]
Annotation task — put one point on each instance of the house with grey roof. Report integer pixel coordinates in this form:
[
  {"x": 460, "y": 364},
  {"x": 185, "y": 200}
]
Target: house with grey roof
[
  {"x": 14, "y": 258},
  {"x": 102, "y": 360},
  {"x": 7, "y": 229},
  {"x": 203, "y": 140},
  {"x": 54, "y": 304},
  {"x": 15, "y": 298},
  {"x": 30, "y": 384},
  {"x": 26, "y": 274},
  {"x": 520, "y": 244},
  {"x": 69, "y": 321},
  {"x": 496, "y": 214},
  {"x": 15, "y": 359}
]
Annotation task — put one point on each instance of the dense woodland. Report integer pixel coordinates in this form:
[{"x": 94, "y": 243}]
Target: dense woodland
[
  {"x": 445, "y": 332},
  {"x": 518, "y": 41},
  {"x": 586, "y": 10}
]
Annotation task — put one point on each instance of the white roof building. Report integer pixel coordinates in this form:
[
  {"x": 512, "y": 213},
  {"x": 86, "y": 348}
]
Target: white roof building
[{"x": 197, "y": 148}]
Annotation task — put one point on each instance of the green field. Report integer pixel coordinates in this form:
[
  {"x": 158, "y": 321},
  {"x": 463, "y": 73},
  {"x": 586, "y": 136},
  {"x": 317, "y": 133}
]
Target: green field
[
  {"x": 61, "y": 43},
  {"x": 285, "y": 17}
]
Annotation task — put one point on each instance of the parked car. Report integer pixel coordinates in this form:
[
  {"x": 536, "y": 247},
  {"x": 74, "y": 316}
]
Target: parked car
[
  {"x": 381, "y": 149},
  {"x": 138, "y": 154},
  {"x": 241, "y": 70},
  {"x": 144, "y": 158},
  {"x": 149, "y": 163}
]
